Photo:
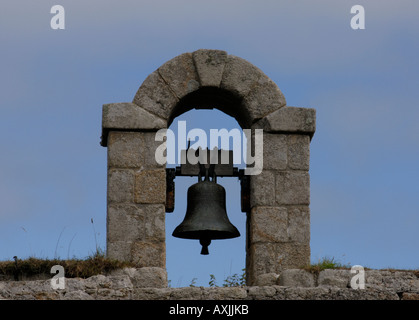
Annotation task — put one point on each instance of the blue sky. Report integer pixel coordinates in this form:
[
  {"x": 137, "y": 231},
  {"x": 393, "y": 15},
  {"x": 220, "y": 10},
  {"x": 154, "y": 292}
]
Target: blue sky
[{"x": 363, "y": 83}]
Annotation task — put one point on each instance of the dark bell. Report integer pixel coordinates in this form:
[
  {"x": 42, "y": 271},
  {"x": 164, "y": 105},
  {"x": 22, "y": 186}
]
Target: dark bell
[{"x": 206, "y": 217}]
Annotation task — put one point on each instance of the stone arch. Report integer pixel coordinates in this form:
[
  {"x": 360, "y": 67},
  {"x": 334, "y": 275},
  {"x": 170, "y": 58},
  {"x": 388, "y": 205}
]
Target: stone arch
[
  {"x": 210, "y": 78},
  {"x": 278, "y": 219}
]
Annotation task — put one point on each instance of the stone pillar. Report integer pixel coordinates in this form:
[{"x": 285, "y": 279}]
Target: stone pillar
[
  {"x": 136, "y": 190},
  {"x": 279, "y": 219}
]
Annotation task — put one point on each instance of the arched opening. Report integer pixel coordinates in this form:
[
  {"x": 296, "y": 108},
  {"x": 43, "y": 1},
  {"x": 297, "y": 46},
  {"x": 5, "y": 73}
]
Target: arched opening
[
  {"x": 209, "y": 98},
  {"x": 184, "y": 263}
]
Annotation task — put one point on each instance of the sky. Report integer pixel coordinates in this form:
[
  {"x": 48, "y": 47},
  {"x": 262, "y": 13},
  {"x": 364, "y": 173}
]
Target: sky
[{"x": 363, "y": 84}]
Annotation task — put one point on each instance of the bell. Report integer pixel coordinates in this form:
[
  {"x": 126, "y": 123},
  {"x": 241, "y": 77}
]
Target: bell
[{"x": 206, "y": 217}]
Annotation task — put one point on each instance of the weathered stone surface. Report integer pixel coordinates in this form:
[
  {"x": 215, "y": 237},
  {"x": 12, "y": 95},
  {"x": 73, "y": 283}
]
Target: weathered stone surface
[
  {"x": 152, "y": 293},
  {"x": 269, "y": 224},
  {"x": 136, "y": 222},
  {"x": 148, "y": 277},
  {"x": 155, "y": 96},
  {"x": 125, "y": 222},
  {"x": 77, "y": 295},
  {"x": 398, "y": 281},
  {"x": 103, "y": 287},
  {"x": 267, "y": 279},
  {"x": 111, "y": 294},
  {"x": 180, "y": 75},
  {"x": 351, "y": 294},
  {"x": 210, "y": 66},
  {"x": 133, "y": 150},
  {"x": 275, "y": 151},
  {"x": 410, "y": 296},
  {"x": 289, "y": 119},
  {"x": 148, "y": 254},
  {"x": 264, "y": 98},
  {"x": 260, "y": 94},
  {"x": 305, "y": 293},
  {"x": 150, "y": 186},
  {"x": 240, "y": 76},
  {"x": 268, "y": 257},
  {"x": 296, "y": 278},
  {"x": 292, "y": 187},
  {"x": 120, "y": 185},
  {"x": 136, "y": 278},
  {"x": 334, "y": 293},
  {"x": 293, "y": 255},
  {"x": 30, "y": 290},
  {"x": 262, "y": 292},
  {"x": 126, "y": 149},
  {"x": 262, "y": 189},
  {"x": 96, "y": 281},
  {"x": 127, "y": 115},
  {"x": 154, "y": 223},
  {"x": 187, "y": 293},
  {"x": 73, "y": 284},
  {"x": 119, "y": 250},
  {"x": 261, "y": 258},
  {"x": 298, "y": 152},
  {"x": 231, "y": 293},
  {"x": 335, "y": 278},
  {"x": 299, "y": 224},
  {"x": 120, "y": 282},
  {"x": 151, "y": 284},
  {"x": 375, "y": 277}
]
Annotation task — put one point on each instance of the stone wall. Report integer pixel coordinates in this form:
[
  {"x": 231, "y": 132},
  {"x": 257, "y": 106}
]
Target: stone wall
[{"x": 294, "y": 284}]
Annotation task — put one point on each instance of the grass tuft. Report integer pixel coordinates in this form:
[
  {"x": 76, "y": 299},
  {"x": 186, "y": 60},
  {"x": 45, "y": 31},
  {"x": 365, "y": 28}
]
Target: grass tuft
[
  {"x": 74, "y": 268},
  {"x": 325, "y": 263}
]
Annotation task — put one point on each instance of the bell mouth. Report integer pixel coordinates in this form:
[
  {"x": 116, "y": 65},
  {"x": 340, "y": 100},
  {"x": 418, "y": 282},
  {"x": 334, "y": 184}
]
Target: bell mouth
[
  {"x": 206, "y": 234},
  {"x": 205, "y": 237}
]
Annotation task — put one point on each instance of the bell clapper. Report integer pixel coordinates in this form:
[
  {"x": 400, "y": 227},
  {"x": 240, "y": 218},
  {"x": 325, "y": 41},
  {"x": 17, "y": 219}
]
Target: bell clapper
[{"x": 204, "y": 243}]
